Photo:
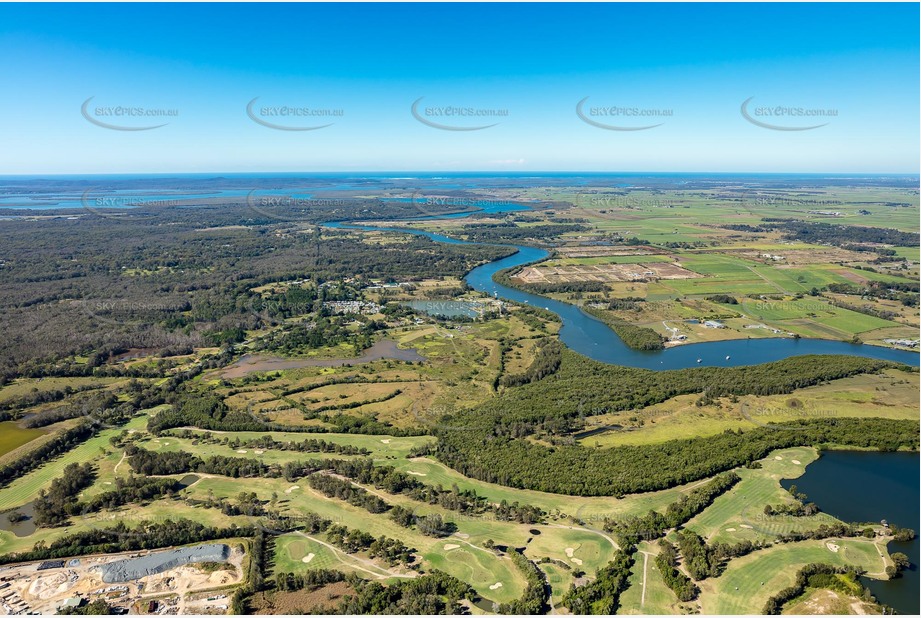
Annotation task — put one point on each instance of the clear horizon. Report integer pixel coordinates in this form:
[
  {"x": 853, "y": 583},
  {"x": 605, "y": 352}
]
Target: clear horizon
[{"x": 534, "y": 173}]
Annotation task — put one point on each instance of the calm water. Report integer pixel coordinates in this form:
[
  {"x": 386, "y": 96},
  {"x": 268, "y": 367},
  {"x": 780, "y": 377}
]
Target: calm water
[
  {"x": 447, "y": 308},
  {"x": 857, "y": 486},
  {"x": 593, "y": 338}
]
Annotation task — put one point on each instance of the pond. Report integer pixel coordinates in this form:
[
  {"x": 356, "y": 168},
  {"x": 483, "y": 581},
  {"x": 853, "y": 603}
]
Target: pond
[{"x": 869, "y": 486}]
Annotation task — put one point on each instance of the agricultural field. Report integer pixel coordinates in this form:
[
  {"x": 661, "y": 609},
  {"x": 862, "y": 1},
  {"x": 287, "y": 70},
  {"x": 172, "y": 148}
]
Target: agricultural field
[{"x": 337, "y": 418}]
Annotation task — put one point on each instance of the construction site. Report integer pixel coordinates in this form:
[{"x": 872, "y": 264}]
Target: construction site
[{"x": 190, "y": 580}]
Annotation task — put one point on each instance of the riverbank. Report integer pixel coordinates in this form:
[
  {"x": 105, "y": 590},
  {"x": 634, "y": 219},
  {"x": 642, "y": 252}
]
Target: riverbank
[{"x": 593, "y": 338}]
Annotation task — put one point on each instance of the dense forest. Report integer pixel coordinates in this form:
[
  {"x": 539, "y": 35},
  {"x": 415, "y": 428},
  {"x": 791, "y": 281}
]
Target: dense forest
[
  {"x": 602, "y": 595},
  {"x": 490, "y": 446},
  {"x": 181, "y": 276},
  {"x": 509, "y": 232},
  {"x": 636, "y": 337}
]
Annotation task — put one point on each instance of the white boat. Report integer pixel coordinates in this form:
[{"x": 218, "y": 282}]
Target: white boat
[
  {"x": 727, "y": 357},
  {"x": 699, "y": 359}
]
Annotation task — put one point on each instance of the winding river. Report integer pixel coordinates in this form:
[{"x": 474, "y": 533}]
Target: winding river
[
  {"x": 591, "y": 337},
  {"x": 832, "y": 487}
]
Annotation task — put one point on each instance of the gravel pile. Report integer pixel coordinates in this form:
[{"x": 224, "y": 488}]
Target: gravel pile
[{"x": 136, "y": 568}]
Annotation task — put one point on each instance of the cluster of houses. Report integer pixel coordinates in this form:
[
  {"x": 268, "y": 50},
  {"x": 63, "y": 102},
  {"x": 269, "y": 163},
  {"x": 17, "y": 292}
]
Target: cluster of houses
[
  {"x": 904, "y": 343},
  {"x": 340, "y": 307}
]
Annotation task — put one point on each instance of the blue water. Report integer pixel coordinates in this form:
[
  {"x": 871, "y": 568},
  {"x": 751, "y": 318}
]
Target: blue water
[
  {"x": 482, "y": 206},
  {"x": 126, "y": 198},
  {"x": 591, "y": 337},
  {"x": 861, "y": 487}
]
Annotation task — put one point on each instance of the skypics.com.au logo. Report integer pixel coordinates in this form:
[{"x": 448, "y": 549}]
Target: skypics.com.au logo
[
  {"x": 621, "y": 118},
  {"x": 779, "y": 117},
  {"x": 290, "y": 117},
  {"x": 125, "y": 117},
  {"x": 454, "y": 117}
]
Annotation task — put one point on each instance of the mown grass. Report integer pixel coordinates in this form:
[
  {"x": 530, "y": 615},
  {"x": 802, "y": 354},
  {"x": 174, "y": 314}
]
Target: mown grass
[
  {"x": 749, "y": 581},
  {"x": 26, "y": 488},
  {"x": 658, "y": 598}
]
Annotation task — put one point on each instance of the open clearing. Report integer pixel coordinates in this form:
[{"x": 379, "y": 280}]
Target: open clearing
[{"x": 748, "y": 581}]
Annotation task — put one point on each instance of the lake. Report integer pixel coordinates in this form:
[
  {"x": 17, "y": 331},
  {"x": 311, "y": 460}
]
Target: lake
[
  {"x": 446, "y": 308},
  {"x": 12, "y": 436},
  {"x": 869, "y": 486}
]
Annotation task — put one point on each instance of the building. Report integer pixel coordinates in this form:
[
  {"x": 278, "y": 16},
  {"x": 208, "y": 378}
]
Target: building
[{"x": 714, "y": 324}]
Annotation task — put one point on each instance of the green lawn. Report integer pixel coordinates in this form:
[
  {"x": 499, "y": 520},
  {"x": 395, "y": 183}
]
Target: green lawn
[
  {"x": 658, "y": 598},
  {"x": 738, "y": 514},
  {"x": 749, "y": 581},
  {"x": 25, "y": 488}
]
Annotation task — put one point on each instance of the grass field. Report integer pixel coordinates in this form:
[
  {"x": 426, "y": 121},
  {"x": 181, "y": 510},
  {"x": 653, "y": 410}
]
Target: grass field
[
  {"x": 132, "y": 515},
  {"x": 291, "y": 550},
  {"x": 749, "y": 581},
  {"x": 25, "y": 386},
  {"x": 380, "y": 446},
  {"x": 26, "y": 488},
  {"x": 738, "y": 515},
  {"x": 891, "y": 394},
  {"x": 588, "y": 509},
  {"x": 657, "y": 597},
  {"x": 433, "y": 551}
]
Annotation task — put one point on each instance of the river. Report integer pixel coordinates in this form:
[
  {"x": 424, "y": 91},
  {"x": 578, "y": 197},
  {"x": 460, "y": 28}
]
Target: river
[
  {"x": 591, "y": 337},
  {"x": 850, "y": 485}
]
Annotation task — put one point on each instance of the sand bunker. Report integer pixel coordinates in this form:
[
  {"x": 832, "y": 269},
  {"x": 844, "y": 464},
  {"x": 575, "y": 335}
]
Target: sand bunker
[
  {"x": 259, "y": 452},
  {"x": 241, "y": 451},
  {"x": 577, "y": 561},
  {"x": 496, "y": 586},
  {"x": 832, "y": 547},
  {"x": 292, "y": 488},
  {"x": 796, "y": 461},
  {"x": 386, "y": 441},
  {"x": 778, "y": 457},
  {"x": 451, "y": 546},
  {"x": 307, "y": 558},
  {"x": 746, "y": 526},
  {"x": 569, "y": 552},
  {"x": 730, "y": 529},
  {"x": 416, "y": 473}
]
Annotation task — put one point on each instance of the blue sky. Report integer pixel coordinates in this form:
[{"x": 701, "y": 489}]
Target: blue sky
[{"x": 693, "y": 65}]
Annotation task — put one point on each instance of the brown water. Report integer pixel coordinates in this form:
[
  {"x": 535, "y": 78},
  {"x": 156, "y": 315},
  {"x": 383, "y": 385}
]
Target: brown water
[
  {"x": 21, "y": 528},
  {"x": 384, "y": 348}
]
